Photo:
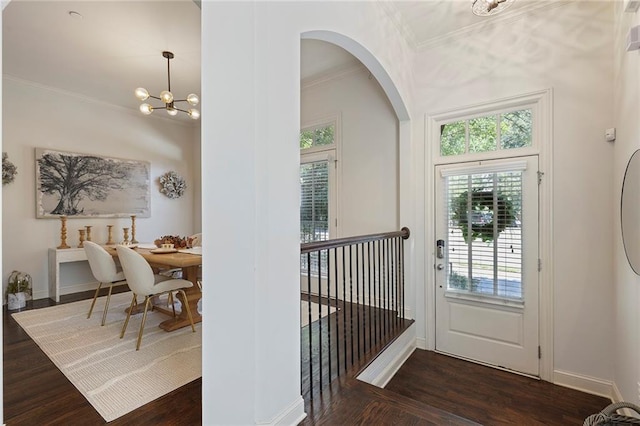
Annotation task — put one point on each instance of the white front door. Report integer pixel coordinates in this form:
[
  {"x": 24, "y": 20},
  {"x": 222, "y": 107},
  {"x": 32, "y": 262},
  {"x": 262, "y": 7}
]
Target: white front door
[{"x": 487, "y": 262}]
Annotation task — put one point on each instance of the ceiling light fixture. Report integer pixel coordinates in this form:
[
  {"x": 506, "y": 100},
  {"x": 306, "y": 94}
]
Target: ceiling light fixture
[
  {"x": 489, "y": 7},
  {"x": 167, "y": 97}
]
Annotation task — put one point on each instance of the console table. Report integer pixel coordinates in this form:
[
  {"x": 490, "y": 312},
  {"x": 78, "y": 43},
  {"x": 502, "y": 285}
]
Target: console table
[{"x": 56, "y": 257}]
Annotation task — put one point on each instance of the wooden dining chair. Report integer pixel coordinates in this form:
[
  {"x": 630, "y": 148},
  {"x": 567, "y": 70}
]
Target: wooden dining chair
[
  {"x": 142, "y": 282},
  {"x": 104, "y": 269}
]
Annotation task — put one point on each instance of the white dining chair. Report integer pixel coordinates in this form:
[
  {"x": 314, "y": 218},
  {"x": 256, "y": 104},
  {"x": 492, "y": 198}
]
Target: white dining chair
[
  {"x": 196, "y": 240},
  {"x": 142, "y": 282},
  {"x": 104, "y": 269}
]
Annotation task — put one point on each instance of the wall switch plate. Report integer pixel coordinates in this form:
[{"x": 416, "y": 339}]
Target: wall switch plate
[{"x": 610, "y": 134}]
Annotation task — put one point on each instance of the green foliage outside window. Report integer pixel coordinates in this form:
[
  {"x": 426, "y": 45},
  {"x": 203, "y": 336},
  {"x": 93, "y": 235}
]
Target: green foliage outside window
[
  {"x": 321, "y": 136},
  {"x": 515, "y": 129},
  {"x": 515, "y": 132},
  {"x": 453, "y": 138},
  {"x": 482, "y": 134}
]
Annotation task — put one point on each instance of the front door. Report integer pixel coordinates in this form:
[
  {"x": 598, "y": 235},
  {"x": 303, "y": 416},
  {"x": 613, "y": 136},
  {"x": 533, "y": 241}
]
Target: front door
[{"x": 487, "y": 262}]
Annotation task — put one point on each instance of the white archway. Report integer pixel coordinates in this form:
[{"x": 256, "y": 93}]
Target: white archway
[{"x": 369, "y": 61}]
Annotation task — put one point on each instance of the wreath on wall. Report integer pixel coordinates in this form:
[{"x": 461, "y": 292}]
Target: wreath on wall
[
  {"x": 9, "y": 170},
  {"x": 172, "y": 185},
  {"x": 482, "y": 214}
]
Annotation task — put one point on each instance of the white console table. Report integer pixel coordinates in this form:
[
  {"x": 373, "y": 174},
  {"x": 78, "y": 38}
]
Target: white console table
[{"x": 56, "y": 257}]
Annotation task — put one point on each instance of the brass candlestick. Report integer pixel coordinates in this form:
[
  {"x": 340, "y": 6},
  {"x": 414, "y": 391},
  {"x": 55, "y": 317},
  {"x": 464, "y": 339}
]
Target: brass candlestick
[
  {"x": 63, "y": 233},
  {"x": 126, "y": 235},
  {"x": 88, "y": 233},
  {"x": 133, "y": 229},
  {"x": 110, "y": 240},
  {"x": 82, "y": 233}
]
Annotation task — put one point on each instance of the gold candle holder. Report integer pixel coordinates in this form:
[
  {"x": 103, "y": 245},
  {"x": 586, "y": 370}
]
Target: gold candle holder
[
  {"x": 126, "y": 235},
  {"x": 88, "y": 233},
  {"x": 110, "y": 233},
  {"x": 133, "y": 229},
  {"x": 63, "y": 233},
  {"x": 82, "y": 233}
]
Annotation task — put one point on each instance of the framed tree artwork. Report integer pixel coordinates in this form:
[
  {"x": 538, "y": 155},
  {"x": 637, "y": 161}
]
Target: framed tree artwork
[{"x": 84, "y": 185}]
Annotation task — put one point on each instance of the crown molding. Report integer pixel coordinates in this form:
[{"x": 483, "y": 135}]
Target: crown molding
[
  {"x": 88, "y": 99},
  {"x": 332, "y": 74},
  {"x": 390, "y": 9}
]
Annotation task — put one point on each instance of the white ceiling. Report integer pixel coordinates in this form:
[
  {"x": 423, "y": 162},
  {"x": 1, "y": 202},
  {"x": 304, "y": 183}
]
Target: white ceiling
[
  {"x": 114, "y": 48},
  {"x": 117, "y": 45}
]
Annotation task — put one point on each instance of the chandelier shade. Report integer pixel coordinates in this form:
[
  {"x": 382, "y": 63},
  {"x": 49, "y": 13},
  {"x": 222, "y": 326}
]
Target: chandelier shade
[
  {"x": 489, "y": 7},
  {"x": 167, "y": 98}
]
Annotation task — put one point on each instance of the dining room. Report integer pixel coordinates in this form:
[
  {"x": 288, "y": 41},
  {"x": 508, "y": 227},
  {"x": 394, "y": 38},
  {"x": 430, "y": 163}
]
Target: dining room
[{"x": 141, "y": 174}]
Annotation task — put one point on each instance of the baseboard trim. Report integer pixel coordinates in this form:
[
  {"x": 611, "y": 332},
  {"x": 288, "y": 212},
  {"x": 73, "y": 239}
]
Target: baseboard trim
[
  {"x": 616, "y": 396},
  {"x": 421, "y": 343},
  {"x": 586, "y": 384},
  {"x": 292, "y": 415},
  {"x": 384, "y": 367}
]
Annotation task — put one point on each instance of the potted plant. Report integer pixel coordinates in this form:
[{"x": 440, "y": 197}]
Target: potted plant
[{"x": 18, "y": 290}]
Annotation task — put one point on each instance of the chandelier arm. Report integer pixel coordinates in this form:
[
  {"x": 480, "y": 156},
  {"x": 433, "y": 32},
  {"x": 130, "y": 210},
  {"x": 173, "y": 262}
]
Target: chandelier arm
[
  {"x": 155, "y": 97},
  {"x": 169, "y": 73},
  {"x": 181, "y": 110}
]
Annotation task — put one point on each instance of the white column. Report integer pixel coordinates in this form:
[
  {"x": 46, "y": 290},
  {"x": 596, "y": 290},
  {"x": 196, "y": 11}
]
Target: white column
[{"x": 250, "y": 198}]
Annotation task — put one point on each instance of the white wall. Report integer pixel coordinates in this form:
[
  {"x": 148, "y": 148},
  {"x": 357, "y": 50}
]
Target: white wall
[
  {"x": 567, "y": 48},
  {"x": 368, "y": 182},
  {"x": 626, "y": 284},
  {"x": 35, "y": 116},
  {"x": 251, "y": 62}
]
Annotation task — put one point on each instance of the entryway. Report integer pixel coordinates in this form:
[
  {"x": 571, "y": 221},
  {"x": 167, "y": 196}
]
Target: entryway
[{"x": 487, "y": 262}]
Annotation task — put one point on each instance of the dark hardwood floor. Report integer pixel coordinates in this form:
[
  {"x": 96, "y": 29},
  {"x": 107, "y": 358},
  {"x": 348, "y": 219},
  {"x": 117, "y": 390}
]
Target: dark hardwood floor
[
  {"x": 351, "y": 338},
  {"x": 490, "y": 396},
  {"x": 428, "y": 389},
  {"x": 37, "y": 393}
]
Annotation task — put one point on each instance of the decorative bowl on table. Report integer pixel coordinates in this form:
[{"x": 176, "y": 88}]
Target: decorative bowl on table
[{"x": 177, "y": 241}]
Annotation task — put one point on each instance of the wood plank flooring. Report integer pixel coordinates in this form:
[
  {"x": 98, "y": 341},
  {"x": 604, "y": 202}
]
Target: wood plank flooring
[
  {"x": 429, "y": 389},
  {"x": 37, "y": 393},
  {"x": 351, "y": 338},
  {"x": 490, "y": 396}
]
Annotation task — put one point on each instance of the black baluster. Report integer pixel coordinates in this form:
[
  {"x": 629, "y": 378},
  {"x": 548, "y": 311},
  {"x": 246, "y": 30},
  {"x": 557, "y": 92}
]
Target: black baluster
[
  {"x": 329, "y": 313},
  {"x": 362, "y": 326},
  {"x": 309, "y": 325},
  {"x": 369, "y": 294},
  {"x": 378, "y": 284},
  {"x": 321, "y": 360},
  {"x": 351, "y": 301},
  {"x": 384, "y": 289},
  {"x": 402, "y": 278},
  {"x": 344, "y": 310},
  {"x": 335, "y": 258}
]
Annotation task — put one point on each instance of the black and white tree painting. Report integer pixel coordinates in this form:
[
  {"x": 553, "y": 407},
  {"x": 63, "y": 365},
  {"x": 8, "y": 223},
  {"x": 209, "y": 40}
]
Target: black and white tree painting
[{"x": 80, "y": 185}]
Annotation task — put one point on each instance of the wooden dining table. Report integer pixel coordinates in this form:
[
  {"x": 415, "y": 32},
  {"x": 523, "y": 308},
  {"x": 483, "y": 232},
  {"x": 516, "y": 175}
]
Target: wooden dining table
[{"x": 189, "y": 263}]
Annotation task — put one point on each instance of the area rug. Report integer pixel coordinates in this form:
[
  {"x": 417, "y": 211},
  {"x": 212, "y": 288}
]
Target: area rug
[
  {"x": 315, "y": 312},
  {"x": 107, "y": 370}
]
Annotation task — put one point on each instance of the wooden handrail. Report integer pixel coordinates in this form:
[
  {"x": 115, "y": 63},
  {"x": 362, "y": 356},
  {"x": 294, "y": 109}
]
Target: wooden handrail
[{"x": 341, "y": 242}]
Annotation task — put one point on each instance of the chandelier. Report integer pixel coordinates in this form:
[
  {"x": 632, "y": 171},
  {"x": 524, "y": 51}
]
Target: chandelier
[
  {"x": 167, "y": 97},
  {"x": 489, "y": 7}
]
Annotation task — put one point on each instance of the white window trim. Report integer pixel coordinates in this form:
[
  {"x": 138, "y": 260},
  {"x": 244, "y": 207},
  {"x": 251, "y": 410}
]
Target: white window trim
[
  {"x": 534, "y": 101},
  {"x": 332, "y": 154},
  {"x": 542, "y": 143}
]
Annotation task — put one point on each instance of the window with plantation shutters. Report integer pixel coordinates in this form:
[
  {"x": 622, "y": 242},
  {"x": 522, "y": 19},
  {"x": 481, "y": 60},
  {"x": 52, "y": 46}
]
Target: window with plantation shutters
[
  {"x": 314, "y": 201},
  {"x": 318, "y": 152},
  {"x": 484, "y": 232}
]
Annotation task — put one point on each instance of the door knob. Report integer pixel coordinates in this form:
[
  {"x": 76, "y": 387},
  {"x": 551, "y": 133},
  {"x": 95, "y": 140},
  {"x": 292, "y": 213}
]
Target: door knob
[{"x": 440, "y": 266}]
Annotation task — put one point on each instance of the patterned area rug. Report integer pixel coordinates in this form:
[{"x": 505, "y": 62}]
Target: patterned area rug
[{"x": 107, "y": 370}]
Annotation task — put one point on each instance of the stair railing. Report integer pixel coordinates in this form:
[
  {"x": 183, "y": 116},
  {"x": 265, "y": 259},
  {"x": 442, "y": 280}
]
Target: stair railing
[{"x": 353, "y": 292}]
